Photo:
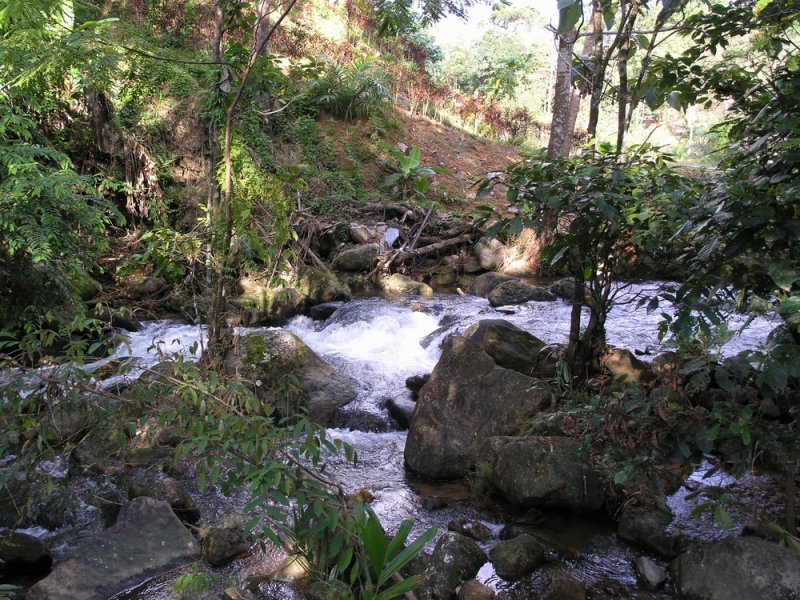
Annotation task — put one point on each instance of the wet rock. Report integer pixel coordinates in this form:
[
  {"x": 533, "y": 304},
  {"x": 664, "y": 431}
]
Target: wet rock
[
  {"x": 475, "y": 590},
  {"x": 268, "y": 356},
  {"x": 467, "y": 399},
  {"x": 563, "y": 288},
  {"x": 402, "y": 285},
  {"x": 625, "y": 368},
  {"x": 651, "y": 575},
  {"x": 456, "y": 558},
  {"x": 484, "y": 284},
  {"x": 148, "y": 539},
  {"x": 401, "y": 410},
  {"x": 737, "y": 568},
  {"x": 319, "y": 285},
  {"x": 320, "y": 312},
  {"x": 22, "y": 553},
  {"x": 221, "y": 545},
  {"x": 543, "y": 471},
  {"x": 415, "y": 383},
  {"x": 357, "y": 260},
  {"x": 647, "y": 527},
  {"x": 432, "y": 503},
  {"x": 515, "y": 558},
  {"x": 509, "y": 346},
  {"x": 517, "y": 292},
  {"x": 363, "y": 420},
  {"x": 147, "y": 287},
  {"x": 474, "y": 529},
  {"x": 490, "y": 252},
  {"x": 168, "y": 490}
]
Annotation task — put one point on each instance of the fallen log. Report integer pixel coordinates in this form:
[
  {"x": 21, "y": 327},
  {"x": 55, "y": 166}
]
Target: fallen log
[{"x": 406, "y": 255}]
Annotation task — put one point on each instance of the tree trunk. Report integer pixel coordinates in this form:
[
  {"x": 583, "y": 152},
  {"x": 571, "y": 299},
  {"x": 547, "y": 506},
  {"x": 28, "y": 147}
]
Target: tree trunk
[
  {"x": 598, "y": 72},
  {"x": 260, "y": 32},
  {"x": 575, "y": 100},
  {"x": 622, "y": 66},
  {"x": 561, "y": 97}
]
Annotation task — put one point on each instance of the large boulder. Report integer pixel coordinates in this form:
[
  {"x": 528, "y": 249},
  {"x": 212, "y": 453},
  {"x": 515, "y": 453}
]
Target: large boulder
[
  {"x": 544, "y": 471},
  {"x": 509, "y": 346},
  {"x": 484, "y": 284},
  {"x": 517, "y": 292},
  {"x": 647, "y": 527},
  {"x": 518, "y": 557},
  {"x": 745, "y": 567},
  {"x": 148, "y": 539},
  {"x": 357, "y": 259},
  {"x": 267, "y": 357},
  {"x": 455, "y": 559},
  {"x": 402, "y": 285},
  {"x": 319, "y": 285},
  {"x": 22, "y": 553},
  {"x": 468, "y": 399},
  {"x": 161, "y": 487}
]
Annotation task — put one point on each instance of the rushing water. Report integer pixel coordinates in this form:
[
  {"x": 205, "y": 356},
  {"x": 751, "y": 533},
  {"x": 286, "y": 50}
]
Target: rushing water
[{"x": 381, "y": 342}]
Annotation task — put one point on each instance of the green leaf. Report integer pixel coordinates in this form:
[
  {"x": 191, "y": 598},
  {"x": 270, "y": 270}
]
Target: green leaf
[
  {"x": 722, "y": 517},
  {"x": 783, "y": 274},
  {"x": 568, "y": 15}
]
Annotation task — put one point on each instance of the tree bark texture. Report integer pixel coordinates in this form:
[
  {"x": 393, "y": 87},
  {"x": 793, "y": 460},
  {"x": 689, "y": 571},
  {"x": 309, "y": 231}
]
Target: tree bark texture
[{"x": 561, "y": 96}]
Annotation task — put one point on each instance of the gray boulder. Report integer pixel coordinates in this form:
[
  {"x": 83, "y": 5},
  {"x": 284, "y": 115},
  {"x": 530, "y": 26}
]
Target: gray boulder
[
  {"x": 147, "y": 540},
  {"x": 23, "y": 553},
  {"x": 647, "y": 527},
  {"x": 748, "y": 567},
  {"x": 467, "y": 399},
  {"x": 161, "y": 487},
  {"x": 563, "y": 288},
  {"x": 221, "y": 545},
  {"x": 515, "y": 558},
  {"x": 319, "y": 285},
  {"x": 509, "y": 346},
  {"x": 517, "y": 292},
  {"x": 266, "y": 357},
  {"x": 651, "y": 575},
  {"x": 455, "y": 559},
  {"x": 358, "y": 259},
  {"x": 484, "y": 284},
  {"x": 401, "y": 285},
  {"x": 548, "y": 472},
  {"x": 475, "y": 590}
]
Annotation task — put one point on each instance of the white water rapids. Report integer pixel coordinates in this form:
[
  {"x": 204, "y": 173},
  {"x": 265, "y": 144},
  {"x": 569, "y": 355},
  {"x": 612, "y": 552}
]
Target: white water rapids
[{"x": 381, "y": 342}]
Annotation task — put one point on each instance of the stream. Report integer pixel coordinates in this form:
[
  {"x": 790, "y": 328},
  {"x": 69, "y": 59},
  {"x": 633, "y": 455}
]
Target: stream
[{"x": 381, "y": 342}]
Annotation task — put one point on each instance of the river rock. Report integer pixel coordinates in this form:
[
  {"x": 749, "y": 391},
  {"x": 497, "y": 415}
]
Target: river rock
[
  {"x": 166, "y": 489},
  {"x": 467, "y": 399},
  {"x": 399, "y": 284},
  {"x": 484, "y": 284},
  {"x": 541, "y": 471},
  {"x": 509, "y": 346},
  {"x": 475, "y": 590},
  {"x": 563, "y": 288},
  {"x": 456, "y": 558},
  {"x": 268, "y": 356},
  {"x": 625, "y": 368},
  {"x": 320, "y": 312},
  {"x": 737, "y": 568},
  {"x": 319, "y": 285},
  {"x": 23, "y": 553},
  {"x": 474, "y": 529},
  {"x": 515, "y": 558},
  {"x": 145, "y": 288},
  {"x": 651, "y": 575},
  {"x": 358, "y": 259},
  {"x": 401, "y": 410},
  {"x": 221, "y": 545},
  {"x": 147, "y": 540},
  {"x": 647, "y": 527},
  {"x": 491, "y": 253},
  {"x": 415, "y": 383},
  {"x": 517, "y": 292}
]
